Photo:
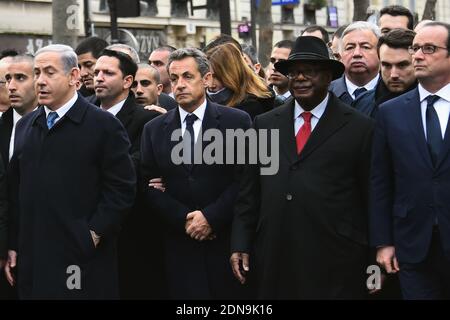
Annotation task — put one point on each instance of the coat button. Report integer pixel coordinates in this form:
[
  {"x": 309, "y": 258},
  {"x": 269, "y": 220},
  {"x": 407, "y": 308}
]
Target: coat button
[{"x": 289, "y": 197}]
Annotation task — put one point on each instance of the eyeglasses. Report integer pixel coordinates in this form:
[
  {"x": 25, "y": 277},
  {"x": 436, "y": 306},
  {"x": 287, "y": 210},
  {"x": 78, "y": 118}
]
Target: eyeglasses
[
  {"x": 307, "y": 73},
  {"x": 426, "y": 49}
]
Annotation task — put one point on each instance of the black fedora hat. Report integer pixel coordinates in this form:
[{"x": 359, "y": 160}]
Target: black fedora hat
[{"x": 310, "y": 49}]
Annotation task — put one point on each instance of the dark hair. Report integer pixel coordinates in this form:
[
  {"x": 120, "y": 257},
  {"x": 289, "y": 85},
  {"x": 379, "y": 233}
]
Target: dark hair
[
  {"x": 339, "y": 31},
  {"x": 126, "y": 64},
  {"x": 94, "y": 45},
  {"x": 397, "y": 39},
  {"x": 250, "y": 51},
  {"x": 222, "y": 39},
  {"x": 288, "y": 44},
  {"x": 396, "y": 10},
  {"x": 8, "y": 53},
  {"x": 441, "y": 24},
  {"x": 325, "y": 36}
]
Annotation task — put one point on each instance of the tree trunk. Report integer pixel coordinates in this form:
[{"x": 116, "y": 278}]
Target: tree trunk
[
  {"x": 429, "y": 13},
  {"x": 360, "y": 9},
  {"x": 66, "y": 22},
  {"x": 265, "y": 31}
]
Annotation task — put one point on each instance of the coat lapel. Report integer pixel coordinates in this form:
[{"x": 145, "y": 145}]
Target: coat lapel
[
  {"x": 414, "y": 116},
  {"x": 285, "y": 123},
  {"x": 125, "y": 115},
  {"x": 332, "y": 120},
  {"x": 445, "y": 147}
]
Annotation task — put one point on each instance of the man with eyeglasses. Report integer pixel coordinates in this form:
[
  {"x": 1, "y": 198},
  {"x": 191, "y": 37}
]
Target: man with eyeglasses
[
  {"x": 410, "y": 207},
  {"x": 306, "y": 225}
]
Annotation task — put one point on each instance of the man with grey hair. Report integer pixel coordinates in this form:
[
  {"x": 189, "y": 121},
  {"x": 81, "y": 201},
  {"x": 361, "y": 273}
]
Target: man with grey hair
[
  {"x": 74, "y": 180},
  {"x": 159, "y": 58},
  {"x": 196, "y": 206},
  {"x": 358, "y": 51}
]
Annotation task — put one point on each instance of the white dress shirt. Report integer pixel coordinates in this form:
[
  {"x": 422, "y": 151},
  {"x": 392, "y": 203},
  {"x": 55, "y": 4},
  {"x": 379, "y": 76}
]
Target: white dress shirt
[
  {"x": 16, "y": 118},
  {"x": 114, "y": 110},
  {"x": 317, "y": 113},
  {"x": 199, "y": 112},
  {"x": 64, "y": 109},
  {"x": 351, "y": 87},
  {"x": 442, "y": 106}
]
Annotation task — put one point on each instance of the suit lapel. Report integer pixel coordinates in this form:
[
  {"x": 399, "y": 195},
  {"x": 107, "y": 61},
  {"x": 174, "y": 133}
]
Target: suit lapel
[
  {"x": 285, "y": 123},
  {"x": 445, "y": 146},
  {"x": 414, "y": 116},
  {"x": 125, "y": 115},
  {"x": 332, "y": 120}
]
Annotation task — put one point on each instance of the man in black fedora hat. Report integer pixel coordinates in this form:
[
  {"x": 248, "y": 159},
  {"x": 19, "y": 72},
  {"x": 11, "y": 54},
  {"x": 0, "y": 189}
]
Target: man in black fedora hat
[{"x": 301, "y": 233}]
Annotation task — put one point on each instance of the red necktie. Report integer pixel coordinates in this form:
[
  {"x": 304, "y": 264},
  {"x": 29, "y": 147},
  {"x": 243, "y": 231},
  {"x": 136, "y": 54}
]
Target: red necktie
[{"x": 304, "y": 132}]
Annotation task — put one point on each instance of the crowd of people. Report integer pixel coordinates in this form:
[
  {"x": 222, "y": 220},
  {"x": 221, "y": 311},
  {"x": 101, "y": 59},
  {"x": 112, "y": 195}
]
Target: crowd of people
[{"x": 94, "y": 203}]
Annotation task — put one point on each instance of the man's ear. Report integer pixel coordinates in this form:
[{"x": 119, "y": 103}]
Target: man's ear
[
  {"x": 74, "y": 75},
  {"x": 128, "y": 81},
  {"x": 159, "y": 88},
  {"x": 207, "y": 79}
]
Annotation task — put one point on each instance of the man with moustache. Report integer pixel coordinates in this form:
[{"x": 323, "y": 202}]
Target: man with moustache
[
  {"x": 397, "y": 71},
  {"x": 409, "y": 211},
  {"x": 358, "y": 51},
  {"x": 302, "y": 232},
  {"x": 72, "y": 182}
]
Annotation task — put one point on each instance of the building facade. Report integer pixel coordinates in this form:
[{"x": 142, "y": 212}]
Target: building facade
[{"x": 27, "y": 24}]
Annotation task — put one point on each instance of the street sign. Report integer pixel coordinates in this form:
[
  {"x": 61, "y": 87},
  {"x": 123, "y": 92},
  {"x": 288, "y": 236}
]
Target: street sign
[{"x": 282, "y": 2}]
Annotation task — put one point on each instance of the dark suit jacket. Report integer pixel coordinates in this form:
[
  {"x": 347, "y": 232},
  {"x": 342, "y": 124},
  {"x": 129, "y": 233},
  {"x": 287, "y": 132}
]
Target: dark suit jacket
[
  {"x": 134, "y": 117},
  {"x": 139, "y": 260},
  {"x": 339, "y": 88},
  {"x": 408, "y": 194},
  {"x": 6, "y": 126},
  {"x": 307, "y": 224},
  {"x": 76, "y": 177},
  {"x": 195, "y": 270},
  {"x": 3, "y": 211},
  {"x": 167, "y": 102}
]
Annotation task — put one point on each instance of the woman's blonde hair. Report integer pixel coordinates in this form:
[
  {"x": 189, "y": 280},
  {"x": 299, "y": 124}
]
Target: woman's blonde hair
[{"x": 229, "y": 67}]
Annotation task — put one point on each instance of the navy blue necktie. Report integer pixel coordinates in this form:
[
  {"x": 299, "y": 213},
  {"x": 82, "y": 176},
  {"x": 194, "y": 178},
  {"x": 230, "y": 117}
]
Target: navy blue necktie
[
  {"x": 359, "y": 91},
  {"x": 51, "y": 118},
  {"x": 189, "y": 142},
  {"x": 434, "y": 133}
]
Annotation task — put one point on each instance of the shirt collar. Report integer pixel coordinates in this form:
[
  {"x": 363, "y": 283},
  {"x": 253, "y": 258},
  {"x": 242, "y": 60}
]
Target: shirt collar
[
  {"x": 351, "y": 87},
  {"x": 16, "y": 117},
  {"x": 316, "y": 112},
  {"x": 116, "y": 108},
  {"x": 199, "y": 112},
  {"x": 65, "y": 107},
  {"x": 443, "y": 93}
]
